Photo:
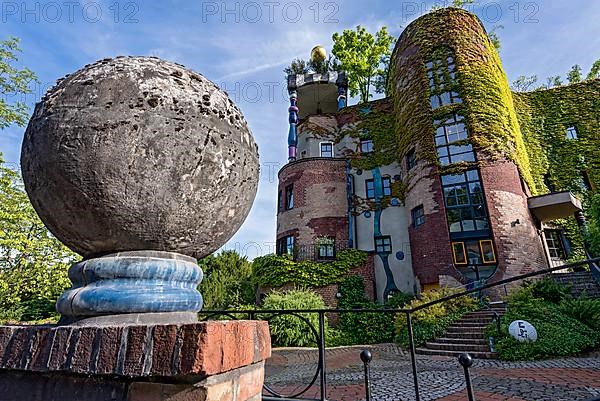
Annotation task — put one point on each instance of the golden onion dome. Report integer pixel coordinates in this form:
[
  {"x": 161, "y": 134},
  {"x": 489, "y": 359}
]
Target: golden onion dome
[{"x": 318, "y": 53}]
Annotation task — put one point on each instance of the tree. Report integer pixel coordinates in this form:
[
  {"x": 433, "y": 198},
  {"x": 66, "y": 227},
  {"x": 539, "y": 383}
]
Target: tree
[
  {"x": 364, "y": 58},
  {"x": 33, "y": 263},
  {"x": 555, "y": 81},
  {"x": 493, "y": 35},
  {"x": 298, "y": 67},
  {"x": 594, "y": 225},
  {"x": 13, "y": 81},
  {"x": 594, "y": 71},
  {"x": 454, "y": 3},
  {"x": 226, "y": 281},
  {"x": 524, "y": 83},
  {"x": 574, "y": 75}
]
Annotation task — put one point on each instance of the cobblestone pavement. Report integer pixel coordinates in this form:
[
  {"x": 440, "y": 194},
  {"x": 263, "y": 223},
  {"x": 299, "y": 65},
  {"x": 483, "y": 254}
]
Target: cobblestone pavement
[{"x": 440, "y": 378}]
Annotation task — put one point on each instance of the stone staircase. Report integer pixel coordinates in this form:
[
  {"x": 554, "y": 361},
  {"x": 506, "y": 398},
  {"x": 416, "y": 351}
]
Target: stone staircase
[
  {"x": 582, "y": 282},
  {"x": 466, "y": 335}
]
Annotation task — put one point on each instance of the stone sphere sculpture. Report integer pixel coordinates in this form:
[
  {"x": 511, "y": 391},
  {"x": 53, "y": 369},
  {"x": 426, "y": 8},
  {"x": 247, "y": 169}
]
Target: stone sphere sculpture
[
  {"x": 142, "y": 166},
  {"x": 137, "y": 153}
]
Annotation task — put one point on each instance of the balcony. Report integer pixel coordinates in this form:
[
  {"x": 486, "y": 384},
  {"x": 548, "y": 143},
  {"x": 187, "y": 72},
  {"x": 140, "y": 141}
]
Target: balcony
[
  {"x": 318, "y": 252},
  {"x": 554, "y": 206}
]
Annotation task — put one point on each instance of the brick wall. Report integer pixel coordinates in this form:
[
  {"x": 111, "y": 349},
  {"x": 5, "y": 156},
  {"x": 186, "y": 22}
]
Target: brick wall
[
  {"x": 430, "y": 242},
  {"x": 518, "y": 245},
  {"x": 320, "y": 200}
]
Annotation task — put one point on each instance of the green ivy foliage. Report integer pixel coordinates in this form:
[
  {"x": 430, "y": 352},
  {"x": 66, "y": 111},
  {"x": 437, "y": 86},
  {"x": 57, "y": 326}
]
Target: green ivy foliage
[
  {"x": 278, "y": 270},
  {"x": 359, "y": 328}
]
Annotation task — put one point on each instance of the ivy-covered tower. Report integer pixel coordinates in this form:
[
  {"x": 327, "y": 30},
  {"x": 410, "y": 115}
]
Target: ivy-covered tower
[{"x": 453, "y": 179}]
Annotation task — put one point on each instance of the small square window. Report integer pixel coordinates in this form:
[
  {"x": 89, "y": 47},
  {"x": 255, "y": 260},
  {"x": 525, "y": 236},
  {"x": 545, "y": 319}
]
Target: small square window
[
  {"x": 418, "y": 216},
  {"x": 411, "y": 159},
  {"x": 571, "y": 132},
  {"x": 370, "y": 188},
  {"x": 366, "y": 146},
  {"x": 285, "y": 245},
  {"x": 326, "y": 149},
  {"x": 383, "y": 244},
  {"x": 386, "y": 183},
  {"x": 289, "y": 197},
  {"x": 327, "y": 250}
]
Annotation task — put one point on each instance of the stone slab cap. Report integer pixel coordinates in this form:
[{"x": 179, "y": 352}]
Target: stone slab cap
[{"x": 194, "y": 350}]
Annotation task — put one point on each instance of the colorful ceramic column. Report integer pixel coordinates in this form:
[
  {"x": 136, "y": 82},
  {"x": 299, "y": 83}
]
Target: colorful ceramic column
[{"x": 293, "y": 119}]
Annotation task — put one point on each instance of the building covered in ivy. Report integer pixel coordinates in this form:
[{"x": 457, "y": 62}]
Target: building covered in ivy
[{"x": 451, "y": 179}]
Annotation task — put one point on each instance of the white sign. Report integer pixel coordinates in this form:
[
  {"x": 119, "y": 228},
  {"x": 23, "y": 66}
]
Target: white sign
[{"x": 522, "y": 331}]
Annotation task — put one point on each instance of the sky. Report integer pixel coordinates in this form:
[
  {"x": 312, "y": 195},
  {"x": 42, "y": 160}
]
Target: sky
[{"x": 244, "y": 46}]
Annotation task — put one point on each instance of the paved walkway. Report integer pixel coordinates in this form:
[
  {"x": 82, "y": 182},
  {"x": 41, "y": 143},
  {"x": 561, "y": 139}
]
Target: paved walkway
[{"x": 440, "y": 378}]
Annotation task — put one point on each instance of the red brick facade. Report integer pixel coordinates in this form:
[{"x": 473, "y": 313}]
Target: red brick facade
[{"x": 519, "y": 247}]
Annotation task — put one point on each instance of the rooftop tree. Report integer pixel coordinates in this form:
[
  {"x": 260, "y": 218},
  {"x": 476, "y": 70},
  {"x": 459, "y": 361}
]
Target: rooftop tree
[{"x": 365, "y": 59}]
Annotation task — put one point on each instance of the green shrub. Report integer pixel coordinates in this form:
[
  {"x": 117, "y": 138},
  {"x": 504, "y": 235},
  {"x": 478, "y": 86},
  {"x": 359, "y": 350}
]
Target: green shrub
[
  {"x": 549, "y": 290},
  {"x": 433, "y": 321},
  {"x": 585, "y": 310},
  {"x": 289, "y": 330},
  {"x": 560, "y": 332},
  {"x": 365, "y": 327}
]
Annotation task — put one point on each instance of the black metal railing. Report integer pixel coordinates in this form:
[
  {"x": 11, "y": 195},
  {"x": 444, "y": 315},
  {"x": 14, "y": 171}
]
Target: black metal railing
[
  {"x": 319, "y": 333},
  {"x": 319, "y": 252}
]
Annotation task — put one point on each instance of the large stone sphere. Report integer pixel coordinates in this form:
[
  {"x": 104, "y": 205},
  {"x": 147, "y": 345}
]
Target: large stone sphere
[{"x": 136, "y": 153}]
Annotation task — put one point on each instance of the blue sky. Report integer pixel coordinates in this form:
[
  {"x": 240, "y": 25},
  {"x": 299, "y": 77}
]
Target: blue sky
[{"x": 243, "y": 47}]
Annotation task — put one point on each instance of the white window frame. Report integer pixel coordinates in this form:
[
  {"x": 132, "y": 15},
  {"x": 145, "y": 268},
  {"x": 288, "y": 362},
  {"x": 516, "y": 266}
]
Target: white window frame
[{"x": 321, "y": 148}]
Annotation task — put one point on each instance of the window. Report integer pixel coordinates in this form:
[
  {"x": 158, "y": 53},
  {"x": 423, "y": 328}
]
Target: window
[
  {"x": 289, "y": 197},
  {"x": 285, "y": 245},
  {"x": 464, "y": 202},
  {"x": 474, "y": 252},
  {"x": 450, "y": 137},
  {"x": 487, "y": 251},
  {"x": 411, "y": 159},
  {"x": 586, "y": 184},
  {"x": 418, "y": 216},
  {"x": 386, "y": 183},
  {"x": 366, "y": 146},
  {"x": 370, "y": 188},
  {"x": 571, "y": 132},
  {"x": 327, "y": 249},
  {"x": 383, "y": 244},
  {"x": 441, "y": 73},
  {"x": 460, "y": 255},
  {"x": 279, "y": 201},
  {"x": 555, "y": 244},
  {"x": 326, "y": 149}
]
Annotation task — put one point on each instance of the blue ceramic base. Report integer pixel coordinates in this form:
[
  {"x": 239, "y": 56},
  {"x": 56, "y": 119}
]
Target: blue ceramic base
[{"x": 132, "y": 282}]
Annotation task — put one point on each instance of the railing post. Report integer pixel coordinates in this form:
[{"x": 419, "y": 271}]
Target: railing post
[
  {"x": 413, "y": 358},
  {"x": 322, "y": 355},
  {"x": 366, "y": 357},
  {"x": 466, "y": 361}
]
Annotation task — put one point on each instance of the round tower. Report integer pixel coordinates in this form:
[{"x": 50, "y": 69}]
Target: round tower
[{"x": 464, "y": 154}]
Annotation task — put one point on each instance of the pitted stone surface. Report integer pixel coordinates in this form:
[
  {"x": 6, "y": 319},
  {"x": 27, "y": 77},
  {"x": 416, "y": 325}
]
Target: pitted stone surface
[{"x": 136, "y": 153}]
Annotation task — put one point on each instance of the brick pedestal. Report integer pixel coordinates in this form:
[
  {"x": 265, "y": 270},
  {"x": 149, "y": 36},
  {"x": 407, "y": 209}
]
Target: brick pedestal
[{"x": 216, "y": 361}]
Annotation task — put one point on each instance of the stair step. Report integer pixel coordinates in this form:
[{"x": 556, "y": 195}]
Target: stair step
[
  {"x": 466, "y": 329},
  {"x": 474, "y": 341},
  {"x": 462, "y": 323},
  {"x": 457, "y": 347},
  {"x": 465, "y": 335},
  {"x": 478, "y": 355}
]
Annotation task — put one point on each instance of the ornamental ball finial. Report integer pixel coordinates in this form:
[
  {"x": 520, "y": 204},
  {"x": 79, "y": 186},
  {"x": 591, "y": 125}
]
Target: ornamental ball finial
[{"x": 318, "y": 54}]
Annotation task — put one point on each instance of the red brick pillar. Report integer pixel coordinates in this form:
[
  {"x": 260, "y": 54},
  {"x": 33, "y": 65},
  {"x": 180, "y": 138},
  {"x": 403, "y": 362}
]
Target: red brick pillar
[{"x": 216, "y": 361}]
